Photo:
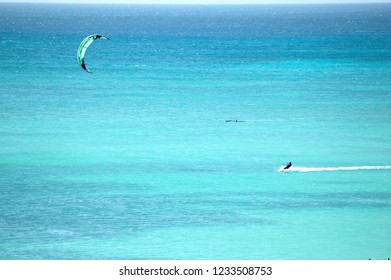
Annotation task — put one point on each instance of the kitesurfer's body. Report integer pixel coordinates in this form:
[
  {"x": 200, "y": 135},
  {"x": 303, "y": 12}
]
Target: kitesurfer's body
[{"x": 288, "y": 165}]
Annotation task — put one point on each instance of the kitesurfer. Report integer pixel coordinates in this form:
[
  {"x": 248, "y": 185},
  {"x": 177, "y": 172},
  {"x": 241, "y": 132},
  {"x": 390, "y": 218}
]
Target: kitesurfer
[{"x": 288, "y": 165}]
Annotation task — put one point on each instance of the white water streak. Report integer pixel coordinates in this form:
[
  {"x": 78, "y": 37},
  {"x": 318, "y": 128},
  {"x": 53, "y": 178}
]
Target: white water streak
[{"x": 341, "y": 168}]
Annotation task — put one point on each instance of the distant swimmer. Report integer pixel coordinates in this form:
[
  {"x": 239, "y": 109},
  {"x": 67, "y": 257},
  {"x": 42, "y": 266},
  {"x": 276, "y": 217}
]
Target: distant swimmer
[
  {"x": 288, "y": 165},
  {"x": 233, "y": 121}
]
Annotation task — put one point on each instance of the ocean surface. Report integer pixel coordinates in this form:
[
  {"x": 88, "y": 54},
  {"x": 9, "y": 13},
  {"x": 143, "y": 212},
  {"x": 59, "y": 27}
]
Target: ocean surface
[{"x": 171, "y": 148}]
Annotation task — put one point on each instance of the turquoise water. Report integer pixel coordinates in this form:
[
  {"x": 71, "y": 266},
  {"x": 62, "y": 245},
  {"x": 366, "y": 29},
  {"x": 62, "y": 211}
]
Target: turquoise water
[{"x": 137, "y": 161}]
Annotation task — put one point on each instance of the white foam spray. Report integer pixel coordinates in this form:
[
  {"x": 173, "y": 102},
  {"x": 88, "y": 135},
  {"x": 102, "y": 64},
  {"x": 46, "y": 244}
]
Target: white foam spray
[{"x": 341, "y": 168}]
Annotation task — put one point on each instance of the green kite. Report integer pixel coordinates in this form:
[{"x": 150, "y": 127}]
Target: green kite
[{"x": 81, "y": 52}]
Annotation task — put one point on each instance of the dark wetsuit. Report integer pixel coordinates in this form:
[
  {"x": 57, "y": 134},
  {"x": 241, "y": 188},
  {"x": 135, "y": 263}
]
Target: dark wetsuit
[{"x": 288, "y": 165}]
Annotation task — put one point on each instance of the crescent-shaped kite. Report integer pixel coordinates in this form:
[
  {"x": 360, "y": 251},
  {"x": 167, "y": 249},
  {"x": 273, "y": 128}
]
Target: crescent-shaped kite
[{"x": 81, "y": 52}]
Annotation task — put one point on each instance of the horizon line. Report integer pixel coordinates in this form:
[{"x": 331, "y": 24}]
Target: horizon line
[{"x": 200, "y": 4}]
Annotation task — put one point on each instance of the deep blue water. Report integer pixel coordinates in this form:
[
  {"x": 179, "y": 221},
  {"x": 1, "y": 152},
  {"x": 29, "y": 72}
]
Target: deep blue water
[{"x": 137, "y": 161}]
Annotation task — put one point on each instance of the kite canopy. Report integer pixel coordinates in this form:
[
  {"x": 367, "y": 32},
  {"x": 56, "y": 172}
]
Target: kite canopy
[{"x": 81, "y": 52}]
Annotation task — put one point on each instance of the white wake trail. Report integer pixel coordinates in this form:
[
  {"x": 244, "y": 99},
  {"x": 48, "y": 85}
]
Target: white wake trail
[{"x": 341, "y": 168}]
